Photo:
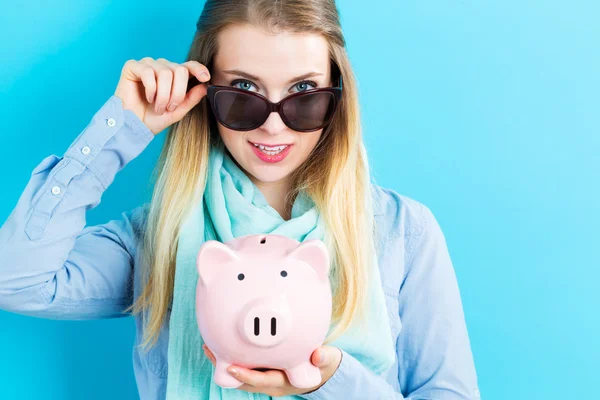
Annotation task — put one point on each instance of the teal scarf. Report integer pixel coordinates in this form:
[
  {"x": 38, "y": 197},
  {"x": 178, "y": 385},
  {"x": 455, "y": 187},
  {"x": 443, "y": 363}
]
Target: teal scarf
[{"x": 233, "y": 206}]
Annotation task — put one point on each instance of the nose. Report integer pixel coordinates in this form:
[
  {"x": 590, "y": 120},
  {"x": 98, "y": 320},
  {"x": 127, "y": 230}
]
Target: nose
[
  {"x": 264, "y": 324},
  {"x": 274, "y": 124}
]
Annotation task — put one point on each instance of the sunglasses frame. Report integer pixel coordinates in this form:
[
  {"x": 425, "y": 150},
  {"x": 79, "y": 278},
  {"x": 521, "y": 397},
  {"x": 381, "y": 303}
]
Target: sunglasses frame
[{"x": 212, "y": 90}]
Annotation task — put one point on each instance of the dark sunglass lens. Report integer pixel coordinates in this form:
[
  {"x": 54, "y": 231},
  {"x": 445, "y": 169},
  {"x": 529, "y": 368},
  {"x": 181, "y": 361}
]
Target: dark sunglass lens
[
  {"x": 309, "y": 111},
  {"x": 238, "y": 110}
]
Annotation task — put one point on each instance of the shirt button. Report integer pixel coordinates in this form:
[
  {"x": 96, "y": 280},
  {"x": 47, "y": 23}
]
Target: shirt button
[
  {"x": 55, "y": 190},
  {"x": 85, "y": 150},
  {"x": 111, "y": 122}
]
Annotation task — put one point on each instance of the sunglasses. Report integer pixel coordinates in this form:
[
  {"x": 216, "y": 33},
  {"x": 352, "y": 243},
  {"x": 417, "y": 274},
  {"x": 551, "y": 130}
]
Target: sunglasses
[{"x": 243, "y": 110}]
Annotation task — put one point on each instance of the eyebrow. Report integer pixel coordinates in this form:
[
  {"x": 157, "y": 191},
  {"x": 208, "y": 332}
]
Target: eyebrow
[{"x": 257, "y": 79}]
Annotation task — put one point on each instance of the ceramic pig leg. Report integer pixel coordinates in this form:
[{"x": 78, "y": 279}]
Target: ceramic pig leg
[
  {"x": 224, "y": 378},
  {"x": 304, "y": 375}
]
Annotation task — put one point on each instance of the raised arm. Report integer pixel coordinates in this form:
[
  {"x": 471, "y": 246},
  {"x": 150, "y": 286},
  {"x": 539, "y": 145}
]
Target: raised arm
[{"x": 51, "y": 265}]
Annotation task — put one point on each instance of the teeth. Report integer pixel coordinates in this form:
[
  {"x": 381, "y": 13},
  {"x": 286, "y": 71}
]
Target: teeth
[
  {"x": 270, "y": 150},
  {"x": 271, "y": 153},
  {"x": 276, "y": 148}
]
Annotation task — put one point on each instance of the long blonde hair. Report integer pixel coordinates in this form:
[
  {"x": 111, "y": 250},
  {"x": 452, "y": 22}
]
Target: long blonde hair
[{"x": 335, "y": 175}]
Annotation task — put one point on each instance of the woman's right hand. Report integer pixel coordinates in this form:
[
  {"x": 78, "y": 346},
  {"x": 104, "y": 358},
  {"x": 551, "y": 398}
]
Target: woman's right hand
[{"x": 155, "y": 90}]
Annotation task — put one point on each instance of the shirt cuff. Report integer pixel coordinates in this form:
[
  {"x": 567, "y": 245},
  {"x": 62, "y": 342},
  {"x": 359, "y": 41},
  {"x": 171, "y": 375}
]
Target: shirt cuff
[{"x": 114, "y": 137}]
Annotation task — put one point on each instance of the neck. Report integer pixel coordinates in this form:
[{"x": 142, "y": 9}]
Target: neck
[{"x": 275, "y": 193}]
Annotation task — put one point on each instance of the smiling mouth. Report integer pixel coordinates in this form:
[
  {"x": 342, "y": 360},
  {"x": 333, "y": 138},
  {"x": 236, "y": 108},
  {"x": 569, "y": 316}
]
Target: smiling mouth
[
  {"x": 270, "y": 150},
  {"x": 271, "y": 155}
]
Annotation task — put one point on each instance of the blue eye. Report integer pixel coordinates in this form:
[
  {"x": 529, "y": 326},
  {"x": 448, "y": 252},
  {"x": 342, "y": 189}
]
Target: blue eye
[
  {"x": 246, "y": 85},
  {"x": 302, "y": 86}
]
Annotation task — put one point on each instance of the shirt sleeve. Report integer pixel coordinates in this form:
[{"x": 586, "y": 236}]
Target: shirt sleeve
[
  {"x": 51, "y": 265},
  {"x": 433, "y": 349}
]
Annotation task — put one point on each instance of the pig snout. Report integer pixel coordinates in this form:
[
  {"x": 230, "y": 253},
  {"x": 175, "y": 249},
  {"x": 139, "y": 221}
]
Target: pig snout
[{"x": 264, "y": 323}]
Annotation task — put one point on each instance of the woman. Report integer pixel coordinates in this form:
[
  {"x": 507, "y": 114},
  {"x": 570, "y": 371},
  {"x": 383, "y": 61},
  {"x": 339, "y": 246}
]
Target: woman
[{"x": 398, "y": 329}]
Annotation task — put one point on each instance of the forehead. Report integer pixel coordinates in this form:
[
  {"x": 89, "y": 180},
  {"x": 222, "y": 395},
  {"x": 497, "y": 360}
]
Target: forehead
[{"x": 274, "y": 58}]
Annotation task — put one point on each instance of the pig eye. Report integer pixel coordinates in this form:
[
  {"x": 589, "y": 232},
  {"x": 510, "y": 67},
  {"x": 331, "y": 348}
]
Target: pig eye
[
  {"x": 283, "y": 273},
  {"x": 241, "y": 277}
]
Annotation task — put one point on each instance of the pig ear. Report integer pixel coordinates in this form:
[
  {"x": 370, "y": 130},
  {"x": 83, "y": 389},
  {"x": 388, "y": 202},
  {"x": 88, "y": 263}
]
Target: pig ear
[
  {"x": 315, "y": 254},
  {"x": 211, "y": 256}
]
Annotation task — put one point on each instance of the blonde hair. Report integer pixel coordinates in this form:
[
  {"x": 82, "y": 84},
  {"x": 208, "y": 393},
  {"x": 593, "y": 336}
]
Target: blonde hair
[{"x": 335, "y": 175}]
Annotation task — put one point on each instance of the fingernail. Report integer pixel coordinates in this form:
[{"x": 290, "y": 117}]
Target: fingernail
[
  {"x": 172, "y": 106},
  {"x": 232, "y": 371},
  {"x": 204, "y": 75},
  {"x": 321, "y": 357}
]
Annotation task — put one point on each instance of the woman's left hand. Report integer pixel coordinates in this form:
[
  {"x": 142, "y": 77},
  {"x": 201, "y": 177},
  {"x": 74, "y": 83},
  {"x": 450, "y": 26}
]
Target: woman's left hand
[{"x": 274, "y": 382}]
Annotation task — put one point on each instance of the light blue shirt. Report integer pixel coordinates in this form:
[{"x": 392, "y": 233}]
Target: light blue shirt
[{"x": 53, "y": 266}]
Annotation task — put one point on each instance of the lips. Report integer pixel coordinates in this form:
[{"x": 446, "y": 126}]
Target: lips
[{"x": 275, "y": 158}]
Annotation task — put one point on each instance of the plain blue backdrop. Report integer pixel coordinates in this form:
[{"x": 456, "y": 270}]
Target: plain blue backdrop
[{"x": 497, "y": 100}]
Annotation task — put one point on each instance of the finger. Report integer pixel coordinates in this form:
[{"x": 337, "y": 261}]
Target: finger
[
  {"x": 210, "y": 356},
  {"x": 192, "y": 98},
  {"x": 248, "y": 388},
  {"x": 211, "y": 361},
  {"x": 179, "y": 86},
  {"x": 271, "y": 379},
  {"x": 251, "y": 389},
  {"x": 206, "y": 349},
  {"x": 318, "y": 357},
  {"x": 196, "y": 93},
  {"x": 145, "y": 73},
  {"x": 164, "y": 82},
  {"x": 198, "y": 70},
  {"x": 325, "y": 355}
]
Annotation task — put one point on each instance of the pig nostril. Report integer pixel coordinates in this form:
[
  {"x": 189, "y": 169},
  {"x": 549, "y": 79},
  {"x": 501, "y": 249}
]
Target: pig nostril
[
  {"x": 256, "y": 326},
  {"x": 273, "y": 326},
  {"x": 263, "y": 240}
]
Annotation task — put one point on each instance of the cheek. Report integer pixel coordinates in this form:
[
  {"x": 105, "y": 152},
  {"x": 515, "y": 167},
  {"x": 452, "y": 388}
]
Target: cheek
[
  {"x": 234, "y": 140},
  {"x": 228, "y": 135},
  {"x": 309, "y": 141}
]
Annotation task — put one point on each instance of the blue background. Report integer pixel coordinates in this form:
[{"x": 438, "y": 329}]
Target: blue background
[{"x": 492, "y": 104}]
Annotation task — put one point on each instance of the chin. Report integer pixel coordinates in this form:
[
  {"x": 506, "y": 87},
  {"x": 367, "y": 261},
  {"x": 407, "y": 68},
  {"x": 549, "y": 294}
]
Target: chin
[{"x": 268, "y": 173}]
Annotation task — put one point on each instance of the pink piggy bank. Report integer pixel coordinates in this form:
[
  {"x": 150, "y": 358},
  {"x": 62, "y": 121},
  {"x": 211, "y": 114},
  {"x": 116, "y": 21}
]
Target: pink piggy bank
[{"x": 264, "y": 301}]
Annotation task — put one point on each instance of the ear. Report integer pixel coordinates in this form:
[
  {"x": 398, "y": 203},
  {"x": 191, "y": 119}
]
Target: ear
[
  {"x": 211, "y": 256},
  {"x": 315, "y": 254}
]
